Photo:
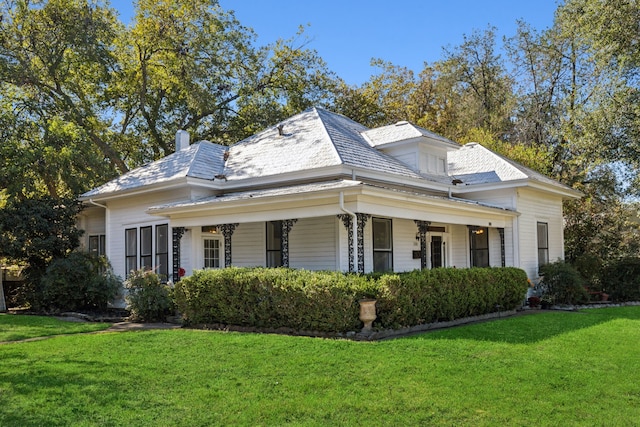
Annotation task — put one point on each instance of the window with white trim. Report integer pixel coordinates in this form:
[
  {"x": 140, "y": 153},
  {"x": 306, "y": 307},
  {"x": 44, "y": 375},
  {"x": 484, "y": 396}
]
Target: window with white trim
[{"x": 211, "y": 253}]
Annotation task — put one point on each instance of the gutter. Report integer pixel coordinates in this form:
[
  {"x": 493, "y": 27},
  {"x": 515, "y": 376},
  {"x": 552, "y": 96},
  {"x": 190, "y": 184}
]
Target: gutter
[
  {"x": 354, "y": 230},
  {"x": 97, "y": 204}
]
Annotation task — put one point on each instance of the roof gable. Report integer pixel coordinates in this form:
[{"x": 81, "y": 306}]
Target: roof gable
[{"x": 475, "y": 164}]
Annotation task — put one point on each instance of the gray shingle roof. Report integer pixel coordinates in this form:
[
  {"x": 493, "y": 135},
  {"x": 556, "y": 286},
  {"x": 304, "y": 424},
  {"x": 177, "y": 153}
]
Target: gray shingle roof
[
  {"x": 316, "y": 139},
  {"x": 201, "y": 160},
  {"x": 475, "y": 164},
  {"x": 313, "y": 139},
  {"x": 402, "y": 131}
]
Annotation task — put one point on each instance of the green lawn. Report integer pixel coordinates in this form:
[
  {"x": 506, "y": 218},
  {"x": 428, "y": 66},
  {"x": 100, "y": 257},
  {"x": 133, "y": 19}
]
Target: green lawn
[
  {"x": 552, "y": 368},
  {"x": 14, "y": 328}
]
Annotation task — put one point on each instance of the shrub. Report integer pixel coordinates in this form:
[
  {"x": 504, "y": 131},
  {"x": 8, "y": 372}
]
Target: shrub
[
  {"x": 148, "y": 298},
  {"x": 274, "y": 298},
  {"x": 562, "y": 284},
  {"x": 80, "y": 281},
  {"x": 328, "y": 301},
  {"x": 621, "y": 279},
  {"x": 425, "y": 296}
]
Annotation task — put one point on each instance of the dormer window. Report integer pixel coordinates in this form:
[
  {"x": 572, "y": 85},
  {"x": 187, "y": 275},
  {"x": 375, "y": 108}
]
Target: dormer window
[{"x": 436, "y": 164}]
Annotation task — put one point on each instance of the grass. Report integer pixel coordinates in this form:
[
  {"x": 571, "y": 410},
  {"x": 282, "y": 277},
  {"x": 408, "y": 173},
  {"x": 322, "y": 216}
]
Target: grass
[
  {"x": 553, "y": 368},
  {"x": 14, "y": 327}
]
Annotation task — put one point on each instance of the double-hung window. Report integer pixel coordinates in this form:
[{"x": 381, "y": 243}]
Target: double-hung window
[
  {"x": 162, "y": 250},
  {"x": 131, "y": 249},
  {"x": 479, "y": 242},
  {"x": 543, "y": 244},
  {"x": 147, "y": 252},
  {"x": 382, "y": 245},
  {"x": 274, "y": 244},
  {"x": 146, "y": 248},
  {"x": 97, "y": 245}
]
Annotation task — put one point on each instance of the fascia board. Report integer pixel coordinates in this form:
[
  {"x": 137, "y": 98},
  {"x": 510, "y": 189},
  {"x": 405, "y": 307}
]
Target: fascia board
[
  {"x": 253, "y": 202},
  {"x": 567, "y": 193},
  {"x": 283, "y": 179},
  {"x": 165, "y": 185},
  {"x": 398, "y": 180},
  {"x": 459, "y": 204}
]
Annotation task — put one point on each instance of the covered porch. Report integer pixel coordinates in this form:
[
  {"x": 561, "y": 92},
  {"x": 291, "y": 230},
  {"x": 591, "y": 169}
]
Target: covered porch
[{"x": 340, "y": 225}]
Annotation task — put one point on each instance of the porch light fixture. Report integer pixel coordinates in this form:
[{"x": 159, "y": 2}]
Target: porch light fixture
[
  {"x": 477, "y": 230},
  {"x": 211, "y": 229}
]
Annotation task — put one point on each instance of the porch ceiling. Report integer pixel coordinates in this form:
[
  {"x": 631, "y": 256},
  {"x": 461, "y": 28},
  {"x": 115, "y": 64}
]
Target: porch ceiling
[{"x": 323, "y": 199}]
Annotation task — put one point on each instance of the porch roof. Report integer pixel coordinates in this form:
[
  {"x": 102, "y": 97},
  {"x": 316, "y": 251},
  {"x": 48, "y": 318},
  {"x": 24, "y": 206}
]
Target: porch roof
[{"x": 322, "y": 198}]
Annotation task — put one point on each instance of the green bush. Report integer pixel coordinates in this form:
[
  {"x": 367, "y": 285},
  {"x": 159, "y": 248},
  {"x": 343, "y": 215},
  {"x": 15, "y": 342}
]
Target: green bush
[
  {"x": 621, "y": 279},
  {"x": 561, "y": 283},
  {"x": 78, "y": 282},
  {"x": 147, "y": 297},
  {"x": 273, "y": 298},
  {"x": 328, "y": 301},
  {"x": 425, "y": 296}
]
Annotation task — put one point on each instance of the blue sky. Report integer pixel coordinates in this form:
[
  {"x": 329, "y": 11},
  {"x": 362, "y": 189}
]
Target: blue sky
[{"x": 348, "y": 33}]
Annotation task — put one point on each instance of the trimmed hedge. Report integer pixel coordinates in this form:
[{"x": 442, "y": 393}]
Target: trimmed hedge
[
  {"x": 426, "y": 296},
  {"x": 273, "y": 298},
  {"x": 328, "y": 301}
]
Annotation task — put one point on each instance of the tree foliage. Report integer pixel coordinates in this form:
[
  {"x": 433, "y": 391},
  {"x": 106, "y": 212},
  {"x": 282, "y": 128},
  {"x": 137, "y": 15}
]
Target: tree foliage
[{"x": 85, "y": 97}]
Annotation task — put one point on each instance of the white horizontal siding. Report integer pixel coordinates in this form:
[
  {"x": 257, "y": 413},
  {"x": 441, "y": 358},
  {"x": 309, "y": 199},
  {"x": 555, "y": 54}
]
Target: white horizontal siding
[
  {"x": 459, "y": 246},
  {"x": 248, "y": 245},
  {"x": 535, "y": 207},
  {"x": 312, "y": 244},
  {"x": 92, "y": 222},
  {"x": 131, "y": 213},
  {"x": 404, "y": 243}
]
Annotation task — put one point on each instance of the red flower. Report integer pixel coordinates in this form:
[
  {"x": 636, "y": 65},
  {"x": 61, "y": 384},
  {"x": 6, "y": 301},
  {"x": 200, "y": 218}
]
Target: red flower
[{"x": 181, "y": 272}]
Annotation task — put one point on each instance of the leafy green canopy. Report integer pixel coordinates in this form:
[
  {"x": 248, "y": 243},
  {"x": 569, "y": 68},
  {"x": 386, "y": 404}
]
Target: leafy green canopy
[{"x": 84, "y": 97}]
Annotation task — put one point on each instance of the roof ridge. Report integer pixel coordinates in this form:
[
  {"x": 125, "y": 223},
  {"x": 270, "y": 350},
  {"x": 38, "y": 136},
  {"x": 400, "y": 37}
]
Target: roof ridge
[{"x": 326, "y": 131}]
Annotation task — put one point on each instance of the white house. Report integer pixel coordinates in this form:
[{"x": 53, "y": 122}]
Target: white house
[{"x": 322, "y": 192}]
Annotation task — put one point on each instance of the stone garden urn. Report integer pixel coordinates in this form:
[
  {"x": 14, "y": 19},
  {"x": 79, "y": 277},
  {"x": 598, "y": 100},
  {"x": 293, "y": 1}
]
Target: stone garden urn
[{"x": 367, "y": 313}]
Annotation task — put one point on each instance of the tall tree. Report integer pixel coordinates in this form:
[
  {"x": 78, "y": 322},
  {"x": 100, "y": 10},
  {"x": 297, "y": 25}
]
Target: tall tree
[
  {"x": 86, "y": 98},
  {"x": 478, "y": 73}
]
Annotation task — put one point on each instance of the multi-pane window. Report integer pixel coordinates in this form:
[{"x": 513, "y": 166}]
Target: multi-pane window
[
  {"x": 146, "y": 248},
  {"x": 543, "y": 243},
  {"x": 211, "y": 253},
  {"x": 162, "y": 250},
  {"x": 274, "y": 244},
  {"x": 479, "y": 242},
  {"x": 131, "y": 249},
  {"x": 382, "y": 245},
  {"x": 97, "y": 245}
]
